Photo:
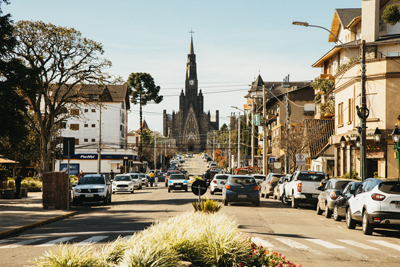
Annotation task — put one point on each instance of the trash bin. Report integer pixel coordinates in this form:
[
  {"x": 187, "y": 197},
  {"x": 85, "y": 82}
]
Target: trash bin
[{"x": 7, "y": 193}]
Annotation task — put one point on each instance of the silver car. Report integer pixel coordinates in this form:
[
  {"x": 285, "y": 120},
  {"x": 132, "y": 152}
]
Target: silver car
[
  {"x": 137, "y": 182},
  {"x": 145, "y": 180},
  {"x": 92, "y": 187},
  {"x": 218, "y": 183},
  {"x": 329, "y": 193},
  {"x": 123, "y": 183}
]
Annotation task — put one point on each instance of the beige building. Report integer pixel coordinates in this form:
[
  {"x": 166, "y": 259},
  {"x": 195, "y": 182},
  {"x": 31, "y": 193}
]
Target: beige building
[{"x": 352, "y": 26}]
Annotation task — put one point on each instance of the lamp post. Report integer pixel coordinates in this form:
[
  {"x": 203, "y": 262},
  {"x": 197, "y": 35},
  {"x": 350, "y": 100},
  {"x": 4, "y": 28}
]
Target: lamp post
[
  {"x": 396, "y": 139},
  {"x": 238, "y": 156},
  {"x": 362, "y": 112}
]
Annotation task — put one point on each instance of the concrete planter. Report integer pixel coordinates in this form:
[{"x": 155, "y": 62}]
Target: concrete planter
[{"x": 7, "y": 193}]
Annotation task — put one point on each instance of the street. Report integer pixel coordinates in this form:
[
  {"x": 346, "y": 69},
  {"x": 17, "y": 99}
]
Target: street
[{"x": 300, "y": 234}]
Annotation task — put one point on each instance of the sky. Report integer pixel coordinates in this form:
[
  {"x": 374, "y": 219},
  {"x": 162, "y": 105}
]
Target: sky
[{"x": 234, "y": 42}]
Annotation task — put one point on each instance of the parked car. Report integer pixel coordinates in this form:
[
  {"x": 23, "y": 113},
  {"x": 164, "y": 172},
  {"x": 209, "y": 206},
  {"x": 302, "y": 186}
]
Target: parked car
[
  {"x": 302, "y": 188},
  {"x": 218, "y": 183},
  {"x": 267, "y": 187},
  {"x": 375, "y": 204},
  {"x": 278, "y": 189},
  {"x": 137, "y": 182},
  {"x": 329, "y": 194},
  {"x": 123, "y": 183},
  {"x": 145, "y": 179},
  {"x": 177, "y": 181},
  {"x": 340, "y": 207},
  {"x": 241, "y": 188},
  {"x": 259, "y": 178},
  {"x": 92, "y": 187},
  {"x": 169, "y": 172}
]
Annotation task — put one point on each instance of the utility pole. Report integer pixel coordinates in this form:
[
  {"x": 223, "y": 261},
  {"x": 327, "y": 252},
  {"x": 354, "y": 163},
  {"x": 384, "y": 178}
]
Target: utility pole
[
  {"x": 99, "y": 148},
  {"x": 252, "y": 132},
  {"x": 155, "y": 152},
  {"x": 265, "y": 136},
  {"x": 238, "y": 157},
  {"x": 363, "y": 114},
  {"x": 229, "y": 154}
]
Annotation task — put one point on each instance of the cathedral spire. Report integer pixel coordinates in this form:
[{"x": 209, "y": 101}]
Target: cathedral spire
[{"x": 191, "y": 51}]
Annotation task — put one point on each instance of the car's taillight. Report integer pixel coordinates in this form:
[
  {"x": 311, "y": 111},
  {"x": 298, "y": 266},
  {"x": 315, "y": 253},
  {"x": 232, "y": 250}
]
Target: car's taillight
[
  {"x": 333, "y": 195},
  {"x": 256, "y": 187},
  {"x": 299, "y": 187},
  {"x": 228, "y": 187},
  {"x": 214, "y": 181},
  {"x": 378, "y": 197}
]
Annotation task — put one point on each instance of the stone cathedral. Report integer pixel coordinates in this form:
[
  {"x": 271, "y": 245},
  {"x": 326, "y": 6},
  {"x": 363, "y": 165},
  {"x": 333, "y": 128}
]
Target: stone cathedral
[{"x": 190, "y": 125}]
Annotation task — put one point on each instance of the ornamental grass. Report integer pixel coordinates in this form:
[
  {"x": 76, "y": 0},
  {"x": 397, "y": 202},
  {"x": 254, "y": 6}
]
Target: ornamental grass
[{"x": 207, "y": 205}]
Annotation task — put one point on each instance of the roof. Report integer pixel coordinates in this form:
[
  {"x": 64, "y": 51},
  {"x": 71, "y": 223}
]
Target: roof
[
  {"x": 342, "y": 17},
  {"x": 145, "y": 127},
  {"x": 318, "y": 133}
]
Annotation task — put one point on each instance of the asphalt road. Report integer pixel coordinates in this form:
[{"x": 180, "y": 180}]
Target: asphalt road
[{"x": 300, "y": 234}]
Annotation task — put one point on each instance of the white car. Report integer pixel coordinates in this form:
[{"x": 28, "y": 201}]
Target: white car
[
  {"x": 376, "y": 204},
  {"x": 259, "y": 178},
  {"x": 177, "y": 182},
  {"x": 145, "y": 180},
  {"x": 278, "y": 189},
  {"x": 92, "y": 187},
  {"x": 218, "y": 183},
  {"x": 123, "y": 183},
  {"x": 137, "y": 182}
]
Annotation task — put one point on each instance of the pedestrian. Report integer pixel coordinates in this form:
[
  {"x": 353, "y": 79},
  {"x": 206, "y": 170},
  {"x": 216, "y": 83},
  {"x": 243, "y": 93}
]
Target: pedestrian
[
  {"x": 156, "y": 179},
  {"x": 18, "y": 180},
  {"x": 112, "y": 175},
  {"x": 80, "y": 174},
  {"x": 29, "y": 173},
  {"x": 151, "y": 178}
]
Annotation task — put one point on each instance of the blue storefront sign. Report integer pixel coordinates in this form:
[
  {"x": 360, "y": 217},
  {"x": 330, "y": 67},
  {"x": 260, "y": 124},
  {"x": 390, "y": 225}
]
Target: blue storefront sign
[
  {"x": 103, "y": 156},
  {"x": 73, "y": 168}
]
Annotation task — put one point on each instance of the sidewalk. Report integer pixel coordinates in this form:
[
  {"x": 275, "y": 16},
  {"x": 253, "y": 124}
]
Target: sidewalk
[{"x": 19, "y": 215}]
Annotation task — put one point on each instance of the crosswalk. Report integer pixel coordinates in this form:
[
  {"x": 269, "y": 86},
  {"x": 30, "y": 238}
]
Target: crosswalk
[{"x": 280, "y": 243}]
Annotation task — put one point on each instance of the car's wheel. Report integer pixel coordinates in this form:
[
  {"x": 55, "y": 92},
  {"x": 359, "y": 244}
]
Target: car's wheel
[
  {"x": 211, "y": 192},
  {"x": 257, "y": 204},
  {"x": 169, "y": 190},
  {"x": 109, "y": 200},
  {"x": 284, "y": 199},
  {"x": 350, "y": 223},
  {"x": 140, "y": 187},
  {"x": 105, "y": 200},
  {"x": 225, "y": 202},
  {"x": 336, "y": 216},
  {"x": 328, "y": 212},
  {"x": 75, "y": 202},
  {"x": 319, "y": 211},
  {"x": 113, "y": 192},
  {"x": 295, "y": 203},
  {"x": 186, "y": 189},
  {"x": 147, "y": 185},
  {"x": 132, "y": 191},
  {"x": 367, "y": 227}
]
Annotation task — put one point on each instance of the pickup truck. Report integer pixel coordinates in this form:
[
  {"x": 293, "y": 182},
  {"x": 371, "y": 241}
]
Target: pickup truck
[{"x": 303, "y": 188}]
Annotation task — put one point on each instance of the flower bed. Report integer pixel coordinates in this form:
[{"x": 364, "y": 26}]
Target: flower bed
[{"x": 194, "y": 237}]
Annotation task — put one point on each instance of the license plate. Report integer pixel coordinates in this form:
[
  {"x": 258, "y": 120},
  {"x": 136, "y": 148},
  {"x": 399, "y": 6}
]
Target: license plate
[
  {"x": 315, "y": 196},
  {"x": 89, "y": 195},
  {"x": 397, "y": 205},
  {"x": 178, "y": 185},
  {"x": 242, "y": 196}
]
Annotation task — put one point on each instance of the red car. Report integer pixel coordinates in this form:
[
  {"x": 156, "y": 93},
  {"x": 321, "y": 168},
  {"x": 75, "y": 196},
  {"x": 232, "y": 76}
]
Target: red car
[{"x": 168, "y": 174}]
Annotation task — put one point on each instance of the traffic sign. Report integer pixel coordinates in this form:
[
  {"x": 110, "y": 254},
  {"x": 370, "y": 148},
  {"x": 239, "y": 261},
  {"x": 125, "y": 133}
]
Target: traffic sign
[
  {"x": 199, "y": 187},
  {"x": 300, "y": 160},
  {"x": 271, "y": 160}
]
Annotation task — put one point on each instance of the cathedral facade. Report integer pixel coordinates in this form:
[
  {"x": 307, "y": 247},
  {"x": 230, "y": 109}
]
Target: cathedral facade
[{"x": 190, "y": 125}]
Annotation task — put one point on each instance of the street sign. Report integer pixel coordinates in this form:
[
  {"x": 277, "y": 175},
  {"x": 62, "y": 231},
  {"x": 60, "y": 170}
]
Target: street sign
[
  {"x": 271, "y": 160},
  {"x": 199, "y": 187},
  {"x": 300, "y": 160}
]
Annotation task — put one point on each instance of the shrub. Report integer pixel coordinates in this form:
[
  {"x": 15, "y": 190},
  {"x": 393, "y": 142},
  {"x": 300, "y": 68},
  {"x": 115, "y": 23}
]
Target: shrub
[
  {"x": 207, "y": 205},
  {"x": 391, "y": 15},
  {"x": 69, "y": 256},
  {"x": 32, "y": 182},
  {"x": 113, "y": 253},
  {"x": 197, "y": 178}
]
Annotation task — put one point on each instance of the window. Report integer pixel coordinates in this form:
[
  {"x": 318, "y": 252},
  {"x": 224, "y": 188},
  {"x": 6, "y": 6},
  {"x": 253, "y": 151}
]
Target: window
[
  {"x": 393, "y": 54},
  {"x": 76, "y": 142},
  {"x": 74, "y": 127},
  {"x": 350, "y": 111},
  {"x": 93, "y": 140},
  {"x": 86, "y": 125},
  {"x": 340, "y": 114},
  {"x": 93, "y": 110},
  {"x": 93, "y": 125},
  {"x": 86, "y": 110},
  {"x": 63, "y": 125},
  {"x": 75, "y": 111},
  {"x": 85, "y": 140}
]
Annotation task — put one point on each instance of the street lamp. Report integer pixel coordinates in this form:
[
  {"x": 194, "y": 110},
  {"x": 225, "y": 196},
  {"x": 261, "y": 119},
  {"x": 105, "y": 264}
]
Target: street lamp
[
  {"x": 377, "y": 135},
  {"x": 395, "y": 137},
  {"x": 362, "y": 112},
  {"x": 343, "y": 142},
  {"x": 238, "y": 156}
]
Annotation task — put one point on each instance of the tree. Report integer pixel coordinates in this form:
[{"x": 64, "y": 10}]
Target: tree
[
  {"x": 143, "y": 89},
  {"x": 296, "y": 143},
  {"x": 61, "y": 62}
]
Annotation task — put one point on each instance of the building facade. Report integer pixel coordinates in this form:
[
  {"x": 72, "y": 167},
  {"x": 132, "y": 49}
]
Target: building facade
[{"x": 190, "y": 125}]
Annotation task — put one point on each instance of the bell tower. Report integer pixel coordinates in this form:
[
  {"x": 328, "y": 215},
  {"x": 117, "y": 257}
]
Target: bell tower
[{"x": 191, "y": 84}]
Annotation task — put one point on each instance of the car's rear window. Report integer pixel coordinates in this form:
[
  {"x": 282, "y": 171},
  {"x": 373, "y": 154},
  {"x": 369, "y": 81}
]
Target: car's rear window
[
  {"x": 91, "y": 180},
  {"x": 122, "y": 178},
  {"x": 177, "y": 177},
  {"x": 390, "y": 187},
  {"x": 135, "y": 176},
  {"x": 242, "y": 180},
  {"x": 169, "y": 173},
  {"x": 310, "y": 177},
  {"x": 340, "y": 185},
  {"x": 222, "y": 177}
]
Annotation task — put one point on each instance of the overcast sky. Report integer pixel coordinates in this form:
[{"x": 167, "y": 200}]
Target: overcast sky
[{"x": 234, "y": 41}]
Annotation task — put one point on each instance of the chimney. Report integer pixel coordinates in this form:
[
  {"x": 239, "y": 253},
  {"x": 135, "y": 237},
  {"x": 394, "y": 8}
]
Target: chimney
[{"x": 370, "y": 20}]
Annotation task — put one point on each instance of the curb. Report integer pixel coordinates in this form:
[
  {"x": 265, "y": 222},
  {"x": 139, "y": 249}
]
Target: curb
[{"x": 37, "y": 224}]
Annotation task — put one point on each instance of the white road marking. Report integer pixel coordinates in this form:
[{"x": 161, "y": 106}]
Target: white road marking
[
  {"x": 323, "y": 243},
  {"x": 56, "y": 241},
  {"x": 385, "y": 244},
  {"x": 297, "y": 245},
  {"x": 357, "y": 244},
  {"x": 83, "y": 233},
  {"x": 262, "y": 242},
  {"x": 24, "y": 242},
  {"x": 92, "y": 240}
]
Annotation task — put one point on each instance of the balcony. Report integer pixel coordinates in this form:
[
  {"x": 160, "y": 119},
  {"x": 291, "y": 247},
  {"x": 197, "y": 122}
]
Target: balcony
[{"x": 326, "y": 76}]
